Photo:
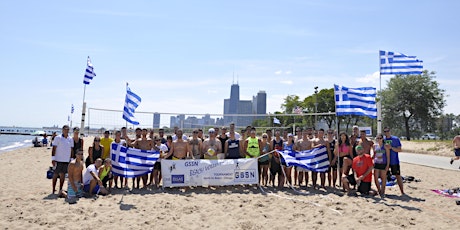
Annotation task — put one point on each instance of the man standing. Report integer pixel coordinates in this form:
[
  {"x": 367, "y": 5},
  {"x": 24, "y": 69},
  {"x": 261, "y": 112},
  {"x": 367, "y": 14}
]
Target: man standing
[
  {"x": 304, "y": 144},
  {"x": 180, "y": 148},
  {"x": 362, "y": 173},
  {"x": 456, "y": 143},
  {"x": 211, "y": 146},
  {"x": 232, "y": 128},
  {"x": 75, "y": 176},
  {"x": 106, "y": 141},
  {"x": 395, "y": 144},
  {"x": 60, "y": 156},
  {"x": 318, "y": 142},
  {"x": 365, "y": 143},
  {"x": 143, "y": 143},
  {"x": 195, "y": 145}
]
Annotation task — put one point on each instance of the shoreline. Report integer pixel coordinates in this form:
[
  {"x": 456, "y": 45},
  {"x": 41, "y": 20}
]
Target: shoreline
[{"x": 28, "y": 203}]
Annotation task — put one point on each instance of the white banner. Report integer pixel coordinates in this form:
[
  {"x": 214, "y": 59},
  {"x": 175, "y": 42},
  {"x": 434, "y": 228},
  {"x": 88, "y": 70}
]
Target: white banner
[{"x": 178, "y": 173}]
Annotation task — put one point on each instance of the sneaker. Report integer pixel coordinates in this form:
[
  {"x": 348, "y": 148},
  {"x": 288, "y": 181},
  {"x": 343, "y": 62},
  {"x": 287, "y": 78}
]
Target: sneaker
[{"x": 451, "y": 160}]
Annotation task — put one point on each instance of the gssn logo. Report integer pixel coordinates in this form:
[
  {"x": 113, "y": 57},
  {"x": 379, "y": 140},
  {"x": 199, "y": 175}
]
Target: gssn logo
[
  {"x": 177, "y": 179},
  {"x": 245, "y": 175}
]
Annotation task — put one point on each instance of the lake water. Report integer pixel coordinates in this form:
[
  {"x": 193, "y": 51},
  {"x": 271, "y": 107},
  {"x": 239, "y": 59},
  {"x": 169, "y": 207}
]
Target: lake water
[{"x": 12, "y": 142}]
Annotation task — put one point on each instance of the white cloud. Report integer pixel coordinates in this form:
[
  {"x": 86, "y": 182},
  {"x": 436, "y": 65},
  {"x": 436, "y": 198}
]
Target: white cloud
[
  {"x": 287, "y": 82},
  {"x": 288, "y": 72},
  {"x": 278, "y": 72},
  {"x": 370, "y": 78}
]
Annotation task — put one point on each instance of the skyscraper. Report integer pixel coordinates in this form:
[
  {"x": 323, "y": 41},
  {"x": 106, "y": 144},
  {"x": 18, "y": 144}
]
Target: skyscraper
[{"x": 233, "y": 105}]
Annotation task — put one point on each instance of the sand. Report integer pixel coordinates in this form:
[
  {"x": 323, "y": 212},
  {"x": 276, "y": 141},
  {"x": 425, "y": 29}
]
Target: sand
[{"x": 26, "y": 202}]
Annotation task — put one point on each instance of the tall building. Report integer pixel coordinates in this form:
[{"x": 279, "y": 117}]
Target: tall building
[
  {"x": 233, "y": 105},
  {"x": 156, "y": 120}
]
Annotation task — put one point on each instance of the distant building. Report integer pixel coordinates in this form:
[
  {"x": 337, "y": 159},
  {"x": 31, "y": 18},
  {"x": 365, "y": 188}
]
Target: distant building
[
  {"x": 233, "y": 105},
  {"x": 156, "y": 120}
]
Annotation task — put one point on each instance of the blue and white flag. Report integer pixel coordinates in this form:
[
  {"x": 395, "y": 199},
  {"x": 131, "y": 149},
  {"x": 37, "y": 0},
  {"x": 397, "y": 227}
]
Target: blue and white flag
[
  {"x": 315, "y": 160},
  {"x": 129, "y": 162},
  {"x": 276, "y": 121},
  {"x": 131, "y": 103},
  {"x": 355, "y": 101},
  {"x": 72, "y": 109},
  {"x": 89, "y": 73},
  {"x": 398, "y": 63}
]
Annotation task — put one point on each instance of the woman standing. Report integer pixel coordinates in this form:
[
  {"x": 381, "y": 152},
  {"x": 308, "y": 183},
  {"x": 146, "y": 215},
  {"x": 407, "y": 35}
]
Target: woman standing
[
  {"x": 264, "y": 160},
  {"x": 381, "y": 156},
  {"x": 288, "y": 145},
  {"x": 343, "y": 152},
  {"x": 94, "y": 151}
]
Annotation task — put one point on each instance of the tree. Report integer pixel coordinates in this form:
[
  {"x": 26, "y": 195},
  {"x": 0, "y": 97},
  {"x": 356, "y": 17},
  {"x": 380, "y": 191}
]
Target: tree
[
  {"x": 412, "y": 101},
  {"x": 326, "y": 103},
  {"x": 290, "y": 102}
]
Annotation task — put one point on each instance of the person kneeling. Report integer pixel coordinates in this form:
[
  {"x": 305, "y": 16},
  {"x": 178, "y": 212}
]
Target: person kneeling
[
  {"x": 92, "y": 184},
  {"x": 362, "y": 175}
]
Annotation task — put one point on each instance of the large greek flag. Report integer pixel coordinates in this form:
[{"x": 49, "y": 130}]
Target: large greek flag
[
  {"x": 129, "y": 162},
  {"x": 131, "y": 103},
  {"x": 398, "y": 63},
  {"x": 355, "y": 101},
  {"x": 315, "y": 160},
  {"x": 89, "y": 73}
]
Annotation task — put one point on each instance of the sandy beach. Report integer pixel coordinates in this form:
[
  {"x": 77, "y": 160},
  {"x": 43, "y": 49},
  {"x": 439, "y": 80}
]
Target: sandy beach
[{"x": 26, "y": 202}]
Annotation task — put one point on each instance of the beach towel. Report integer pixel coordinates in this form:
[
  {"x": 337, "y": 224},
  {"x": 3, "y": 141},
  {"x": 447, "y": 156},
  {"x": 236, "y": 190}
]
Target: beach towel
[{"x": 452, "y": 193}]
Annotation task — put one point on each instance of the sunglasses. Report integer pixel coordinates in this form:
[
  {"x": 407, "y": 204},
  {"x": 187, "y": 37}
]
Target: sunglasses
[
  {"x": 264, "y": 137},
  {"x": 97, "y": 140},
  {"x": 378, "y": 138},
  {"x": 386, "y": 131}
]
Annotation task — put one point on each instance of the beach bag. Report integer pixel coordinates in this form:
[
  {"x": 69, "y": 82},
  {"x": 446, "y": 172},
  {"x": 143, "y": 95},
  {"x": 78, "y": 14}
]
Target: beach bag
[{"x": 50, "y": 173}]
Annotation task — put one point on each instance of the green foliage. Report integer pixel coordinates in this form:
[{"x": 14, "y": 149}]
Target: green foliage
[{"x": 413, "y": 102}]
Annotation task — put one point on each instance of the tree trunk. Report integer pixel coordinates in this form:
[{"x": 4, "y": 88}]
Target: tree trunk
[{"x": 406, "y": 123}]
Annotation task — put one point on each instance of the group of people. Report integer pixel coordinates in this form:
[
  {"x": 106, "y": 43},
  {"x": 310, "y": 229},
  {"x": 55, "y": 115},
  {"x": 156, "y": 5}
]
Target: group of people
[{"x": 354, "y": 159}]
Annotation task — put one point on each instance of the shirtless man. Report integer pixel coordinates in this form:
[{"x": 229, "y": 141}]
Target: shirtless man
[
  {"x": 365, "y": 143},
  {"x": 180, "y": 147},
  {"x": 143, "y": 143},
  {"x": 304, "y": 144},
  {"x": 318, "y": 142},
  {"x": 195, "y": 145},
  {"x": 456, "y": 143},
  {"x": 75, "y": 177},
  {"x": 211, "y": 146},
  {"x": 92, "y": 184}
]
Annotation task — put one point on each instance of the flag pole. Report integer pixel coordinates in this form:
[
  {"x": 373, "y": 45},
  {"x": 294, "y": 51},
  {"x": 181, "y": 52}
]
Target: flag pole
[
  {"x": 83, "y": 112},
  {"x": 337, "y": 136},
  {"x": 379, "y": 103}
]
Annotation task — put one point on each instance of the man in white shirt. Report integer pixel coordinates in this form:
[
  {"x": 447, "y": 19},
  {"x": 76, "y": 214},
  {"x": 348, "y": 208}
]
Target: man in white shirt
[
  {"x": 60, "y": 157},
  {"x": 91, "y": 181}
]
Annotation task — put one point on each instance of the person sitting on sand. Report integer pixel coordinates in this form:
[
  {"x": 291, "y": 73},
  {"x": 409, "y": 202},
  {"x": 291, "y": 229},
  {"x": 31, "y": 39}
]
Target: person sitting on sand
[
  {"x": 75, "y": 177},
  {"x": 92, "y": 184},
  {"x": 362, "y": 173},
  {"x": 105, "y": 173}
]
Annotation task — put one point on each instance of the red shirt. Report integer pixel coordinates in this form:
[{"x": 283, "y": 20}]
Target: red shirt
[{"x": 361, "y": 165}]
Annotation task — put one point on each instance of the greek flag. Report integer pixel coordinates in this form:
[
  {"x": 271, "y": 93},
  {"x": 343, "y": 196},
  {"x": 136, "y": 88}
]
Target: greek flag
[
  {"x": 89, "y": 74},
  {"x": 355, "y": 101},
  {"x": 315, "y": 160},
  {"x": 129, "y": 162},
  {"x": 131, "y": 103},
  {"x": 398, "y": 63}
]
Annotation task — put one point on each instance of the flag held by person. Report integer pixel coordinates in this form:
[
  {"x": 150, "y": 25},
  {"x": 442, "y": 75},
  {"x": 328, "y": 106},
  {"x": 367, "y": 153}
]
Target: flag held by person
[
  {"x": 132, "y": 101},
  {"x": 89, "y": 73},
  {"x": 398, "y": 63},
  {"x": 130, "y": 162},
  {"x": 355, "y": 101},
  {"x": 315, "y": 160}
]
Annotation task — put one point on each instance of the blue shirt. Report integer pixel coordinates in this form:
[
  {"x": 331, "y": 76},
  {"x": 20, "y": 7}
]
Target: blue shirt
[{"x": 395, "y": 142}]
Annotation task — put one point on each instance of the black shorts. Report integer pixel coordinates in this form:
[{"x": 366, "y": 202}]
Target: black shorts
[
  {"x": 275, "y": 168},
  {"x": 395, "y": 170},
  {"x": 457, "y": 152},
  {"x": 264, "y": 162},
  {"x": 364, "y": 187},
  {"x": 61, "y": 167},
  {"x": 380, "y": 166},
  {"x": 157, "y": 166}
]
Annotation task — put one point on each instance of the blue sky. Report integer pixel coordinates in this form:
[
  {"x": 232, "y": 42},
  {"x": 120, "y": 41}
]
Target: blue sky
[{"x": 180, "y": 56}]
